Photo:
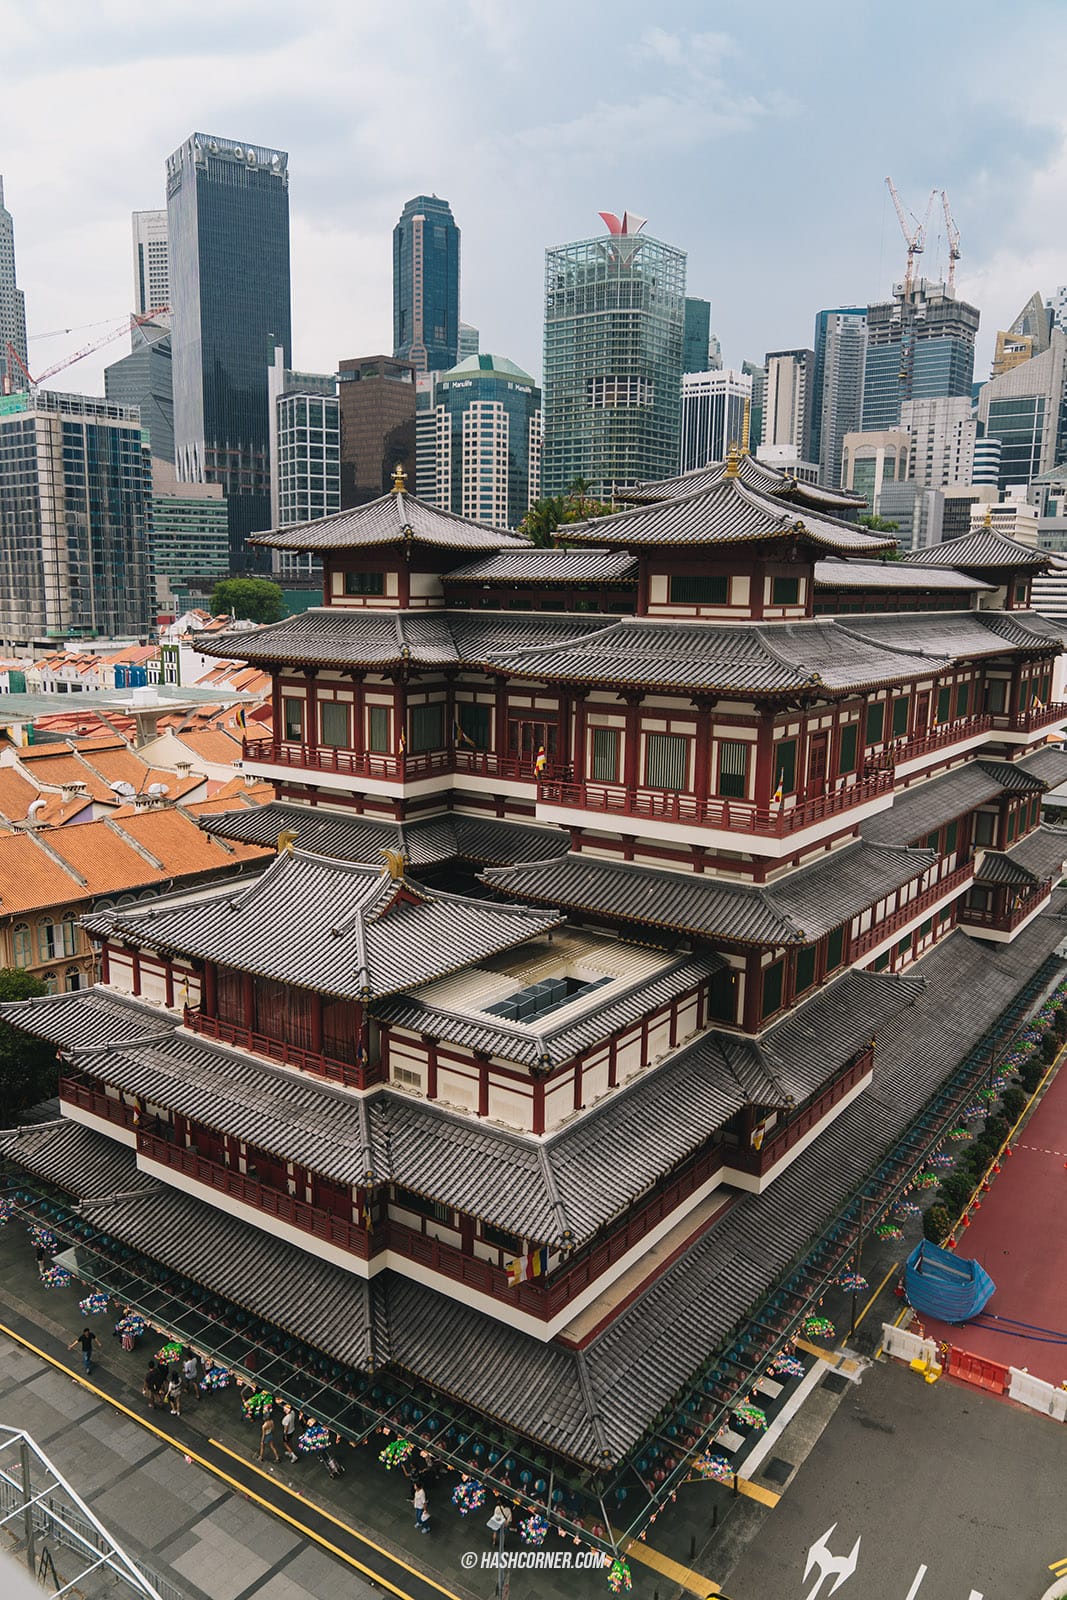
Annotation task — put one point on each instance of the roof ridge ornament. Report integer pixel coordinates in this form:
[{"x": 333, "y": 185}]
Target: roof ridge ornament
[
  {"x": 400, "y": 479},
  {"x": 394, "y": 864},
  {"x": 733, "y": 461}
]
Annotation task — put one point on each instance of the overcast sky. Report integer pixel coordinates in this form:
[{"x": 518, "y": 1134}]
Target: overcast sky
[{"x": 756, "y": 137}]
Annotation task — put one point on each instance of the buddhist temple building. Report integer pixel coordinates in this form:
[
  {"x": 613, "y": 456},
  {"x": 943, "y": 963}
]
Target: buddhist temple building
[{"x": 628, "y": 902}]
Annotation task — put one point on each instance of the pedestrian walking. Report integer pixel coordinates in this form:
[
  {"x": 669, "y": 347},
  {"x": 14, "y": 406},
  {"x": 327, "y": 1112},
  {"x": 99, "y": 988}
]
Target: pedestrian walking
[
  {"x": 87, "y": 1338},
  {"x": 174, "y": 1390},
  {"x": 149, "y": 1387},
  {"x": 289, "y": 1432},
  {"x": 266, "y": 1439},
  {"x": 42, "y": 1258},
  {"x": 191, "y": 1375},
  {"x": 422, "y": 1512},
  {"x": 159, "y": 1386}
]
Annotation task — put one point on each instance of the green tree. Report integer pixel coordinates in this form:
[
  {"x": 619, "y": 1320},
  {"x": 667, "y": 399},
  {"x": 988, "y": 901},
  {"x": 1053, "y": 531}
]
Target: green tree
[
  {"x": 249, "y": 599},
  {"x": 28, "y": 1067},
  {"x": 543, "y": 518}
]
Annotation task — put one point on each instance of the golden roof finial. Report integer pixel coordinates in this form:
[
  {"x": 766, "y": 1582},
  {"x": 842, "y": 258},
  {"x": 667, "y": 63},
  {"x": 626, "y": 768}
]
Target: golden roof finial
[
  {"x": 400, "y": 479},
  {"x": 988, "y": 519},
  {"x": 733, "y": 461},
  {"x": 746, "y": 426},
  {"x": 286, "y": 841},
  {"x": 394, "y": 863}
]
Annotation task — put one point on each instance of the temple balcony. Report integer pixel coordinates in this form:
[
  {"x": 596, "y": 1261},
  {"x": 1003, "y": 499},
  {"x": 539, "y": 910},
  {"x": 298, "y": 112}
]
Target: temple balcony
[
  {"x": 945, "y": 888},
  {"x": 960, "y": 731},
  {"x": 1005, "y": 912},
  {"x": 691, "y": 819},
  {"x": 88, "y": 1104},
  {"x": 293, "y": 1055},
  {"x": 335, "y": 767},
  {"x": 1017, "y": 726}
]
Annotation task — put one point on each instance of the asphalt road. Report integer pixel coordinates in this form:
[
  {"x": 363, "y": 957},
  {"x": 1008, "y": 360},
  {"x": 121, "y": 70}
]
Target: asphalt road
[{"x": 939, "y": 1492}]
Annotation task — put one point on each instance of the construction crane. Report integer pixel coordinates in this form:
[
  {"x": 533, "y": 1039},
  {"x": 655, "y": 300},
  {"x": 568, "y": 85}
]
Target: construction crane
[
  {"x": 135, "y": 321},
  {"x": 914, "y": 238},
  {"x": 952, "y": 233}
]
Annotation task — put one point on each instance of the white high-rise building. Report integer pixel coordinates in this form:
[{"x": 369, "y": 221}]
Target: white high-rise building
[
  {"x": 151, "y": 266},
  {"x": 837, "y": 386},
  {"x": 787, "y": 401},
  {"x": 12, "y": 305},
  {"x": 943, "y": 436},
  {"x": 713, "y": 415}
]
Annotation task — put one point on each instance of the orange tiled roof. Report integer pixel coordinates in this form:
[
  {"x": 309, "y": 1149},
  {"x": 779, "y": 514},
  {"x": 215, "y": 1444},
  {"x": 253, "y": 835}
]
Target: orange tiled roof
[
  {"x": 106, "y": 860},
  {"x": 211, "y": 744},
  {"x": 16, "y": 793},
  {"x": 239, "y": 788},
  {"x": 30, "y": 880},
  {"x": 174, "y": 838},
  {"x": 58, "y": 766}
]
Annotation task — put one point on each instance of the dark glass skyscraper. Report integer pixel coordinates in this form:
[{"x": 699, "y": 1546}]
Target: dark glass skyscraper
[
  {"x": 696, "y": 338},
  {"x": 228, "y": 222},
  {"x": 920, "y": 345},
  {"x": 426, "y": 285}
]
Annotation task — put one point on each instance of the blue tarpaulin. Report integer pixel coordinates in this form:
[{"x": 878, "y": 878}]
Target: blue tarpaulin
[{"x": 939, "y": 1283}]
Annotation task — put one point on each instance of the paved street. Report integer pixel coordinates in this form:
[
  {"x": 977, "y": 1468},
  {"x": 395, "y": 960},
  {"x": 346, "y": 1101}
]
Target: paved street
[{"x": 952, "y": 1495}]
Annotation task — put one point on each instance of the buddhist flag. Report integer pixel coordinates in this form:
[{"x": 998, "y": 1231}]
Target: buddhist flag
[
  {"x": 403, "y": 742},
  {"x": 778, "y": 793},
  {"x": 458, "y": 735},
  {"x": 1038, "y": 704},
  {"x": 242, "y": 717},
  {"x": 759, "y": 1132},
  {"x": 526, "y": 1267},
  {"x": 541, "y": 762}
]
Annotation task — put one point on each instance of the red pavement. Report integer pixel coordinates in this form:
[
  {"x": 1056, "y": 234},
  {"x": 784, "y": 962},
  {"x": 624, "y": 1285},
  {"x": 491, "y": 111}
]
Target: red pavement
[{"x": 1020, "y": 1237}]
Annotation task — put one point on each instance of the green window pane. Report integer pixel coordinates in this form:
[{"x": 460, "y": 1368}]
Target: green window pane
[
  {"x": 708, "y": 589},
  {"x": 835, "y": 946},
  {"x": 666, "y": 761},
  {"x": 786, "y": 754},
  {"x": 333, "y": 716},
  {"x": 772, "y": 989},
  {"x": 378, "y": 729},
  {"x": 846, "y": 761},
  {"x": 785, "y": 591},
  {"x": 805, "y": 968},
  {"x": 605, "y": 755},
  {"x": 875, "y": 722},
  {"x": 900, "y": 716},
  {"x": 733, "y": 769}
]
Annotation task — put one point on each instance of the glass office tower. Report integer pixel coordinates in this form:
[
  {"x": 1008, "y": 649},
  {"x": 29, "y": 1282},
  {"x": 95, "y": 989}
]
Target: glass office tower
[
  {"x": 837, "y": 386},
  {"x": 920, "y": 346},
  {"x": 426, "y": 285},
  {"x": 614, "y": 331},
  {"x": 479, "y": 450},
  {"x": 228, "y": 223}
]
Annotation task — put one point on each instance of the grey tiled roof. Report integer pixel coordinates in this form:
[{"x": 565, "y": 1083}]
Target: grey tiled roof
[
  {"x": 1049, "y": 764},
  {"x": 427, "y": 842},
  {"x": 391, "y": 519},
  {"x": 724, "y": 513},
  {"x": 796, "y": 909},
  {"x": 321, "y": 1304},
  {"x": 925, "y": 806},
  {"x": 548, "y": 566},
  {"x": 74, "y": 1158},
  {"x": 981, "y": 549},
  {"x": 90, "y": 1017},
  {"x": 333, "y": 637},
  {"x": 331, "y": 925},
  {"x": 756, "y": 475},
  {"x": 937, "y": 636},
  {"x": 1039, "y": 856},
  {"x": 835, "y": 573}
]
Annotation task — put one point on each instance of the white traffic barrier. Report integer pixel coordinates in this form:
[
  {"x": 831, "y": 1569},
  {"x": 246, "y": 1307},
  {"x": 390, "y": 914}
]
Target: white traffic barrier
[
  {"x": 1037, "y": 1394},
  {"x": 907, "y": 1346}
]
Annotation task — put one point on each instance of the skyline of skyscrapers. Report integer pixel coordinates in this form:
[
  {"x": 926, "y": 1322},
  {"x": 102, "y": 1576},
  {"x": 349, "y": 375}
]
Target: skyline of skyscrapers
[
  {"x": 426, "y": 285},
  {"x": 228, "y": 226},
  {"x": 713, "y": 415},
  {"x": 12, "y": 303},
  {"x": 614, "y": 332}
]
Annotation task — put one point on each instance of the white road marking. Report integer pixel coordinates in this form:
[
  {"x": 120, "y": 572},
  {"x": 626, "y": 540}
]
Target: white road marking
[{"x": 916, "y": 1584}]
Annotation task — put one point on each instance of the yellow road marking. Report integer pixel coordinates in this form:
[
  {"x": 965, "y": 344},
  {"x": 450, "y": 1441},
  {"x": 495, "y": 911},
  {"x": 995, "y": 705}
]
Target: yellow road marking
[
  {"x": 684, "y": 1577},
  {"x": 240, "y": 1488},
  {"x": 362, "y": 1537},
  {"x": 894, "y": 1268},
  {"x": 1058, "y": 1567},
  {"x": 756, "y": 1491},
  {"x": 815, "y": 1350}
]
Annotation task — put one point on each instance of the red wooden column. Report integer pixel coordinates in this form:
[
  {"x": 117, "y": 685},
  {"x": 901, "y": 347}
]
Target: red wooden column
[
  {"x": 578, "y": 738},
  {"x": 135, "y": 966},
  {"x": 765, "y": 779},
  {"x": 168, "y": 978},
  {"x": 430, "y": 1046},
  {"x": 311, "y": 715},
  {"x": 359, "y": 713},
  {"x": 316, "y": 1023},
  {"x": 630, "y": 755},
  {"x": 500, "y": 720},
  {"x": 248, "y": 1004},
  {"x": 538, "y": 1106},
  {"x": 209, "y": 991},
  {"x": 702, "y": 773},
  {"x": 105, "y": 963}
]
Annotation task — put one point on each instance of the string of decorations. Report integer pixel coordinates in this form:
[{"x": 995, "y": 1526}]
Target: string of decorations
[
  {"x": 94, "y": 1305},
  {"x": 42, "y": 1238},
  {"x": 55, "y": 1278},
  {"x": 314, "y": 1437},
  {"x": 395, "y": 1453},
  {"x": 818, "y": 1328},
  {"x": 852, "y": 1282},
  {"x": 215, "y": 1378},
  {"x": 130, "y": 1325},
  {"x": 708, "y": 1465},
  {"x": 258, "y": 1404},
  {"x": 619, "y": 1579}
]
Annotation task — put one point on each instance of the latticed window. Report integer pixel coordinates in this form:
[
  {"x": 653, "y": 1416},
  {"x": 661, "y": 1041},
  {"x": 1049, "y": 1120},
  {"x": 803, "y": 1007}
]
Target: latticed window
[
  {"x": 333, "y": 715},
  {"x": 846, "y": 759},
  {"x": 293, "y": 714},
  {"x": 428, "y": 727},
  {"x": 666, "y": 761},
  {"x": 733, "y": 769},
  {"x": 378, "y": 728},
  {"x": 605, "y": 755}
]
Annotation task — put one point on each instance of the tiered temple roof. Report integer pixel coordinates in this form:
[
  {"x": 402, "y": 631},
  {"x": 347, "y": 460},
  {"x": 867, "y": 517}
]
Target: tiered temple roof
[
  {"x": 397, "y": 518},
  {"x": 753, "y": 474}
]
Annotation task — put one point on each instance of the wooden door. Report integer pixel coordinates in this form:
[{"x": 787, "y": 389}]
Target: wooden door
[
  {"x": 818, "y": 761},
  {"x": 921, "y": 715}
]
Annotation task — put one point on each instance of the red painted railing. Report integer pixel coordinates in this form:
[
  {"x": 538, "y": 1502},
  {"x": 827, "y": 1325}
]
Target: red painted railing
[
  {"x": 734, "y": 816},
  {"x": 1006, "y": 921},
  {"x": 804, "y": 1119},
  {"x": 322, "y": 1066},
  {"x": 867, "y": 940},
  {"x": 937, "y": 737},
  {"x": 1037, "y": 717},
  {"x": 95, "y": 1100},
  {"x": 401, "y": 768}
]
